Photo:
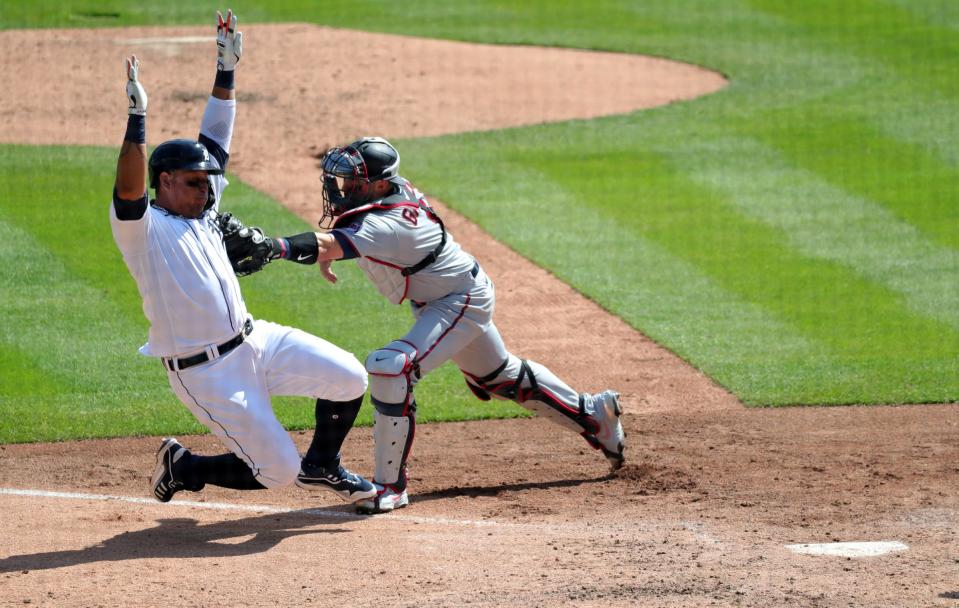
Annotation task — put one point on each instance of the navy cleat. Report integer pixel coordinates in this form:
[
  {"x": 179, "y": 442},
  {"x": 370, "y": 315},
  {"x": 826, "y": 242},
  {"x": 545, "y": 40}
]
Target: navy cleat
[{"x": 345, "y": 484}]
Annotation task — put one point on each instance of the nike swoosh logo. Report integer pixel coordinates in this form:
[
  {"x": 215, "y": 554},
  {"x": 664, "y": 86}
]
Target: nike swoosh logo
[
  {"x": 381, "y": 359},
  {"x": 303, "y": 256}
]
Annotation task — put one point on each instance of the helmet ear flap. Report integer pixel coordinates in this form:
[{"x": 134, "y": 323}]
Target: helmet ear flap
[{"x": 380, "y": 159}]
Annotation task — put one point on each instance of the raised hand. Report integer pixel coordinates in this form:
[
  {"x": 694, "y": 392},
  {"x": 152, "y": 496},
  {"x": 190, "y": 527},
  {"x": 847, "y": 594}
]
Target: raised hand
[
  {"x": 135, "y": 91},
  {"x": 229, "y": 42}
]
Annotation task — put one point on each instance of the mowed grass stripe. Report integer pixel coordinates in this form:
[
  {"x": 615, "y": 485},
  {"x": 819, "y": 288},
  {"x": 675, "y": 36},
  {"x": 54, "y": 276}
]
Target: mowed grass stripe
[
  {"x": 929, "y": 123},
  {"x": 737, "y": 342},
  {"x": 939, "y": 13},
  {"x": 855, "y": 320},
  {"x": 823, "y": 221},
  {"x": 856, "y": 156},
  {"x": 911, "y": 47},
  {"x": 841, "y": 334}
]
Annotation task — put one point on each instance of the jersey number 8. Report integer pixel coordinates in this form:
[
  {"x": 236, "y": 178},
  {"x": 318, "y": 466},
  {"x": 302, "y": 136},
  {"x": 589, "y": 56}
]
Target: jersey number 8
[{"x": 410, "y": 215}]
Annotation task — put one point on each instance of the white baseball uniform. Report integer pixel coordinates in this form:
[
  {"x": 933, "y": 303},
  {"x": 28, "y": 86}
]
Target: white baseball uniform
[{"x": 192, "y": 299}]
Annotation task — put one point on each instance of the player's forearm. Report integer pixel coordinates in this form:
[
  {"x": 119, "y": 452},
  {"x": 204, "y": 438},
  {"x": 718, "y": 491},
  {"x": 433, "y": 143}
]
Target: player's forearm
[
  {"x": 308, "y": 248},
  {"x": 132, "y": 163},
  {"x": 301, "y": 248}
]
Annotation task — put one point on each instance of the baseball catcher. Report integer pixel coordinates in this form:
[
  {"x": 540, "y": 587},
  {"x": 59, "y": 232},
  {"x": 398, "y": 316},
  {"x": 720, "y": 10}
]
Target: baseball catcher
[{"x": 379, "y": 219}]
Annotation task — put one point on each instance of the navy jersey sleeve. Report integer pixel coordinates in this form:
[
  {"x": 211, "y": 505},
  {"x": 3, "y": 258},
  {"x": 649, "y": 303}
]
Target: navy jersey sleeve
[{"x": 129, "y": 210}]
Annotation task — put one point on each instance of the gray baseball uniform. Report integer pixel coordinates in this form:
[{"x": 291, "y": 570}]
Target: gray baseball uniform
[{"x": 452, "y": 301}]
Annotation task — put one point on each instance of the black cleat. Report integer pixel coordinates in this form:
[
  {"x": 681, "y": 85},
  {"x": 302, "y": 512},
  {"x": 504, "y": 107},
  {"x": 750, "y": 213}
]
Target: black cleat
[{"x": 163, "y": 482}]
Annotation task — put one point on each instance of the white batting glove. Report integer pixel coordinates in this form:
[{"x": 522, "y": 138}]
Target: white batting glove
[
  {"x": 229, "y": 42},
  {"x": 135, "y": 91}
]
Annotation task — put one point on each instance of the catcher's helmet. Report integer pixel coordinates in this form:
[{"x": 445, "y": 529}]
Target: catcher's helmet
[
  {"x": 180, "y": 154},
  {"x": 348, "y": 172}
]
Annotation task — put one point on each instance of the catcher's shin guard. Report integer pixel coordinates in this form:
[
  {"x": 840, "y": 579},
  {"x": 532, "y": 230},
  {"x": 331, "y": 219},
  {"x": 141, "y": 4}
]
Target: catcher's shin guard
[
  {"x": 393, "y": 373},
  {"x": 535, "y": 388},
  {"x": 393, "y": 439}
]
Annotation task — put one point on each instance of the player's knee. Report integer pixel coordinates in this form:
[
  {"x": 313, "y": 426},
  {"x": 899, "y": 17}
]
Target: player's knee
[
  {"x": 393, "y": 373},
  {"x": 283, "y": 471},
  {"x": 355, "y": 381}
]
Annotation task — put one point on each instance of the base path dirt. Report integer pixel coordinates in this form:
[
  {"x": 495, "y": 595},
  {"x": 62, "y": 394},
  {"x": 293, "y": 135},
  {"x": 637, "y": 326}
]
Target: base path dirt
[{"x": 516, "y": 512}]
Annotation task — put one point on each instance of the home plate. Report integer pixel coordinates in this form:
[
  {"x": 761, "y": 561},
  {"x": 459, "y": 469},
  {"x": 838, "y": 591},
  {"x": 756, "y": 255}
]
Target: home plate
[{"x": 855, "y": 549}]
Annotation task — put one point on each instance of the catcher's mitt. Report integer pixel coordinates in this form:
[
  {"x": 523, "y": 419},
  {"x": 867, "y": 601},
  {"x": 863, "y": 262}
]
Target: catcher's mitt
[{"x": 248, "y": 249}]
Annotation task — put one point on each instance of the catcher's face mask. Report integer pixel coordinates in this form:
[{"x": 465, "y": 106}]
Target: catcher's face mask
[{"x": 345, "y": 183}]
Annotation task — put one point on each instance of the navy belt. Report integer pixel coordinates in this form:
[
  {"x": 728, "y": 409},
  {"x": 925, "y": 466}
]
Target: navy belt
[{"x": 173, "y": 364}]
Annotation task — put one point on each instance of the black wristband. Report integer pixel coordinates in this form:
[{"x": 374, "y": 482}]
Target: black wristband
[
  {"x": 136, "y": 129},
  {"x": 224, "y": 79},
  {"x": 303, "y": 248}
]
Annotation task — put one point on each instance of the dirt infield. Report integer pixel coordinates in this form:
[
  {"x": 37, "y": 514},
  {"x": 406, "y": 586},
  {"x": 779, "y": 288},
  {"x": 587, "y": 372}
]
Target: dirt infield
[{"x": 503, "y": 513}]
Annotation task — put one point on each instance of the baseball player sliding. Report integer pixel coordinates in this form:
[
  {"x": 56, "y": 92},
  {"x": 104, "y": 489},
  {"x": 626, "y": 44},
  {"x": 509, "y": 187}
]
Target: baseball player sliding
[
  {"x": 378, "y": 218},
  {"x": 222, "y": 364}
]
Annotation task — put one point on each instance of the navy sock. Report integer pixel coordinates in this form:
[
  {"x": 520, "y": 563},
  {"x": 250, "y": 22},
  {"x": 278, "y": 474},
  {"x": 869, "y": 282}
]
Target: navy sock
[
  {"x": 225, "y": 470},
  {"x": 334, "y": 419}
]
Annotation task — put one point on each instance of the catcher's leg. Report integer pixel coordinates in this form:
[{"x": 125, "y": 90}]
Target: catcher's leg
[
  {"x": 441, "y": 329},
  {"x": 536, "y": 388},
  {"x": 393, "y": 374}
]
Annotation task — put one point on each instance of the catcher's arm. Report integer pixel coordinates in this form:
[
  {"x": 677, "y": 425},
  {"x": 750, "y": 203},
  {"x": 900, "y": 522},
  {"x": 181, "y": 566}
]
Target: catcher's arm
[
  {"x": 250, "y": 250},
  {"x": 330, "y": 250}
]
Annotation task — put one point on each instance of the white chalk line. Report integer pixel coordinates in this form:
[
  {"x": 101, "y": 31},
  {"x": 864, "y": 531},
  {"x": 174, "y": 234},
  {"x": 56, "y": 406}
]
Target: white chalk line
[
  {"x": 226, "y": 506},
  {"x": 581, "y": 526},
  {"x": 160, "y": 40},
  {"x": 850, "y": 549}
]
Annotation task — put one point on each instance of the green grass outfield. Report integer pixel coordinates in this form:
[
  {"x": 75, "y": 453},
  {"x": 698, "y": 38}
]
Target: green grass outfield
[{"x": 794, "y": 236}]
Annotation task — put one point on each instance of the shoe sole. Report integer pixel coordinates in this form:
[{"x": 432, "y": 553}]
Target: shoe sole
[
  {"x": 375, "y": 510},
  {"x": 161, "y": 467},
  {"x": 348, "y": 496}
]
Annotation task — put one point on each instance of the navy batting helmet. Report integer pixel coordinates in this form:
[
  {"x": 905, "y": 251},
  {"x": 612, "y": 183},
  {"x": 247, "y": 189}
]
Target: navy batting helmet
[
  {"x": 348, "y": 171},
  {"x": 184, "y": 154}
]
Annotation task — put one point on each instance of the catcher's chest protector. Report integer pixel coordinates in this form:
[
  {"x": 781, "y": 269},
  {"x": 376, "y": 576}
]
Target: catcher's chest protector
[{"x": 387, "y": 279}]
